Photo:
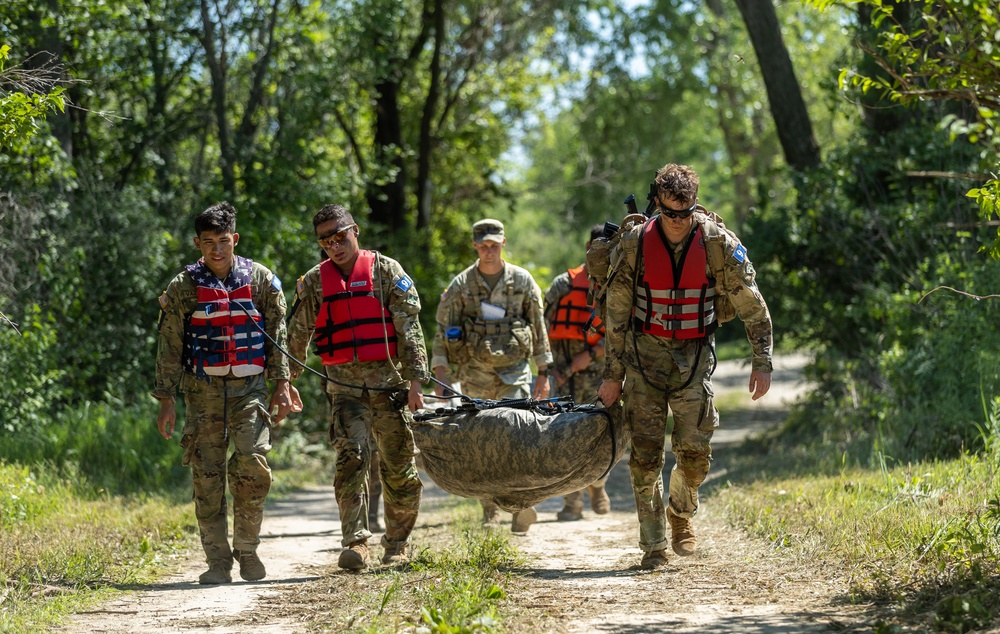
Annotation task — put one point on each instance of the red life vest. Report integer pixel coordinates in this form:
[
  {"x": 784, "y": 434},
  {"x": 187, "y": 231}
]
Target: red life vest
[
  {"x": 573, "y": 312},
  {"x": 671, "y": 300},
  {"x": 220, "y": 337},
  {"x": 352, "y": 322}
]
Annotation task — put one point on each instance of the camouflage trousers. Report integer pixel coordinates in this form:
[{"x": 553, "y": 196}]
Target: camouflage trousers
[
  {"x": 220, "y": 412},
  {"x": 383, "y": 416},
  {"x": 695, "y": 420},
  {"x": 490, "y": 386},
  {"x": 582, "y": 386}
]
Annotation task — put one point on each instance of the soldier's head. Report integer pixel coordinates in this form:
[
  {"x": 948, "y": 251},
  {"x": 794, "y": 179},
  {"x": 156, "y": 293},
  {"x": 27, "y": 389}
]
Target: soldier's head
[
  {"x": 677, "y": 184},
  {"x": 216, "y": 237},
  {"x": 488, "y": 239},
  {"x": 597, "y": 231},
  {"x": 676, "y": 198},
  {"x": 337, "y": 234}
]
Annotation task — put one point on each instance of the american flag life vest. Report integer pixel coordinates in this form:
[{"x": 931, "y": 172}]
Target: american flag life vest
[
  {"x": 220, "y": 338},
  {"x": 352, "y": 322},
  {"x": 572, "y": 313},
  {"x": 673, "y": 300}
]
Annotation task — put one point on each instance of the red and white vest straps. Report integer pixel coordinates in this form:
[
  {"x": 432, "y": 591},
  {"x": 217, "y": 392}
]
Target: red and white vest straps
[
  {"x": 671, "y": 300},
  {"x": 572, "y": 313},
  {"x": 221, "y": 336},
  {"x": 352, "y": 321}
]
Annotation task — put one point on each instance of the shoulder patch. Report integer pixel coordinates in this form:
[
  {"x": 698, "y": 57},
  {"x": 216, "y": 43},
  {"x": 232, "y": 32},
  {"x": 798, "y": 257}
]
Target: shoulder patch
[
  {"x": 740, "y": 254},
  {"x": 275, "y": 282},
  {"x": 403, "y": 283},
  {"x": 164, "y": 301},
  {"x": 300, "y": 286}
]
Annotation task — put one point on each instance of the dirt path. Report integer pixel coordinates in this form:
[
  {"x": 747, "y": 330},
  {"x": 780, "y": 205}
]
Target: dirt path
[{"x": 580, "y": 576}]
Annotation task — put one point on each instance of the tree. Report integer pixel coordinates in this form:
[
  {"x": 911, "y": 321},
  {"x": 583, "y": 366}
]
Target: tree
[{"x": 783, "y": 92}]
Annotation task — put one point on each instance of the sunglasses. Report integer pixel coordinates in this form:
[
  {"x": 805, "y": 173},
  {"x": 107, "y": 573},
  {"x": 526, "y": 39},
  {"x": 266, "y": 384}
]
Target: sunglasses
[
  {"x": 335, "y": 237},
  {"x": 677, "y": 213}
]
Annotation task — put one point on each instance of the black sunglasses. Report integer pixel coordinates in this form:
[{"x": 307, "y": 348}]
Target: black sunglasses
[{"x": 675, "y": 213}]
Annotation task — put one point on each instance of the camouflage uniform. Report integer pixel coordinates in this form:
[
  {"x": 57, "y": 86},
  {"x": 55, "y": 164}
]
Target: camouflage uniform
[
  {"x": 481, "y": 368},
  {"x": 581, "y": 385},
  {"x": 357, "y": 412},
  {"x": 220, "y": 409},
  {"x": 483, "y": 371},
  {"x": 680, "y": 372}
]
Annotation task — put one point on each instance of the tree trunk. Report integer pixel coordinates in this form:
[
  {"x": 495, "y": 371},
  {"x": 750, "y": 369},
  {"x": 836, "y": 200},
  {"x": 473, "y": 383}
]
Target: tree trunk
[
  {"x": 426, "y": 144},
  {"x": 388, "y": 200},
  {"x": 217, "y": 68},
  {"x": 783, "y": 92}
]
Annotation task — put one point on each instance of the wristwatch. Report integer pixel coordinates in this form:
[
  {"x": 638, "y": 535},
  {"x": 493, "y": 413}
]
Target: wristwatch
[{"x": 544, "y": 372}]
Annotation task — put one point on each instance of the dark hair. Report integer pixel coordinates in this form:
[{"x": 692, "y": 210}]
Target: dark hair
[
  {"x": 677, "y": 182},
  {"x": 597, "y": 231},
  {"x": 219, "y": 218},
  {"x": 332, "y": 212}
]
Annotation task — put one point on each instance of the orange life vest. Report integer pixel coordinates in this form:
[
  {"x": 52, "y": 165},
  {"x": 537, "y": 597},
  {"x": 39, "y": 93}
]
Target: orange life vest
[
  {"x": 573, "y": 313},
  {"x": 674, "y": 300},
  {"x": 352, "y": 322},
  {"x": 219, "y": 337}
]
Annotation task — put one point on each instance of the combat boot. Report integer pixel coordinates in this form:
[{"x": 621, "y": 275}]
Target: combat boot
[
  {"x": 491, "y": 513},
  {"x": 572, "y": 508},
  {"x": 396, "y": 554},
  {"x": 655, "y": 559},
  {"x": 682, "y": 537},
  {"x": 599, "y": 500},
  {"x": 523, "y": 520},
  {"x": 218, "y": 572},
  {"x": 355, "y": 556},
  {"x": 251, "y": 567}
]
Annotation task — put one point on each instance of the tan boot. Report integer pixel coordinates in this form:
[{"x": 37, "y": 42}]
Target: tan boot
[
  {"x": 355, "y": 556},
  {"x": 655, "y": 559},
  {"x": 682, "y": 538},
  {"x": 218, "y": 572},
  {"x": 572, "y": 508},
  {"x": 523, "y": 520},
  {"x": 251, "y": 567},
  {"x": 396, "y": 554},
  {"x": 599, "y": 500}
]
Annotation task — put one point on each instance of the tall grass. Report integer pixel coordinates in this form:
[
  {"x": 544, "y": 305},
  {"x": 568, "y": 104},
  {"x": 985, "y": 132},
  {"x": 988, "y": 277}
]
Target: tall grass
[{"x": 924, "y": 536}]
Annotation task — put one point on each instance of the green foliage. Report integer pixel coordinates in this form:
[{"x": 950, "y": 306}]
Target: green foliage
[
  {"x": 89, "y": 540},
  {"x": 21, "y": 108}
]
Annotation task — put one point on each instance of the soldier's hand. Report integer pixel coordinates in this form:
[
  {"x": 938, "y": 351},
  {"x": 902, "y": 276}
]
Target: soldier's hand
[
  {"x": 541, "y": 388},
  {"x": 415, "y": 398},
  {"x": 610, "y": 392},
  {"x": 760, "y": 383},
  {"x": 282, "y": 400},
  {"x": 581, "y": 361},
  {"x": 167, "y": 418},
  {"x": 441, "y": 374}
]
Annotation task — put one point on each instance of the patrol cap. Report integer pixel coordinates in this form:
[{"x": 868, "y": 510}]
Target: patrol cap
[{"x": 487, "y": 229}]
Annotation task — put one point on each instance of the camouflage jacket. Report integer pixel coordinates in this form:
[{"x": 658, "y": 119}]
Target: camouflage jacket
[
  {"x": 563, "y": 350},
  {"x": 738, "y": 283},
  {"x": 389, "y": 280},
  {"x": 519, "y": 298},
  {"x": 179, "y": 301}
]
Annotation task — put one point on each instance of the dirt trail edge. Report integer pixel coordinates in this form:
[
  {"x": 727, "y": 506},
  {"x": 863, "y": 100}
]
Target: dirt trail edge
[{"x": 580, "y": 576}]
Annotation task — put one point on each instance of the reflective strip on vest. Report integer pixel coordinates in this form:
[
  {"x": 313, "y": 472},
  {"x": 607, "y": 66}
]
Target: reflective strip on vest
[
  {"x": 671, "y": 300},
  {"x": 220, "y": 338},
  {"x": 352, "y": 323},
  {"x": 572, "y": 313}
]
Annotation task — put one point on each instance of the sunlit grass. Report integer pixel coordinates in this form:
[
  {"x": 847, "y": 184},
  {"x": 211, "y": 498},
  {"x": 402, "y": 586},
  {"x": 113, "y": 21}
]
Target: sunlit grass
[
  {"x": 919, "y": 534},
  {"x": 59, "y": 544}
]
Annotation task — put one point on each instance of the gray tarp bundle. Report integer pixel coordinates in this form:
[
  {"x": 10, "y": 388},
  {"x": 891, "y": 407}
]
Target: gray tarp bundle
[{"x": 520, "y": 457}]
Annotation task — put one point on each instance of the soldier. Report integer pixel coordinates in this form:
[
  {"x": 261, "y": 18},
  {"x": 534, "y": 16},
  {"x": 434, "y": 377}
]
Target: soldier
[
  {"x": 577, "y": 367},
  {"x": 489, "y": 325},
  {"x": 212, "y": 348},
  {"x": 362, "y": 309},
  {"x": 674, "y": 274}
]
